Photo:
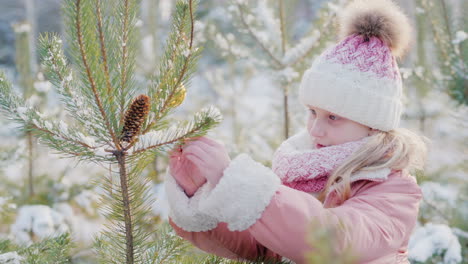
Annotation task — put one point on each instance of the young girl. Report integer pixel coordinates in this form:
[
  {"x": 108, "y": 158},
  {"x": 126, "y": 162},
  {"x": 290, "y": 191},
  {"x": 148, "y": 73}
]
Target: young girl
[{"x": 347, "y": 172}]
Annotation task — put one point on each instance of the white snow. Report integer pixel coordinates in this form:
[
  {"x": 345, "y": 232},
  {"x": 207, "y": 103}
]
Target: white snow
[
  {"x": 301, "y": 48},
  {"x": 35, "y": 222},
  {"x": 87, "y": 200},
  {"x": 138, "y": 23},
  {"x": 288, "y": 74},
  {"x": 221, "y": 41},
  {"x": 101, "y": 151},
  {"x": 434, "y": 239},
  {"x": 69, "y": 77},
  {"x": 83, "y": 227},
  {"x": 90, "y": 141},
  {"x": 48, "y": 125},
  {"x": 22, "y": 112},
  {"x": 42, "y": 86},
  {"x": 11, "y": 258},
  {"x": 437, "y": 193},
  {"x": 63, "y": 127},
  {"x": 460, "y": 36}
]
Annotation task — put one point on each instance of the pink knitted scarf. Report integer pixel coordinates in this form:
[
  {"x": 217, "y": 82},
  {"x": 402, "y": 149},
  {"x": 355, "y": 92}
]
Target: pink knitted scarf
[{"x": 304, "y": 168}]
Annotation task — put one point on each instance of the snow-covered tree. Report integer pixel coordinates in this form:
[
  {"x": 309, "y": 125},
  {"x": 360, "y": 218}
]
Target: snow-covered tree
[
  {"x": 451, "y": 46},
  {"x": 435, "y": 107},
  {"x": 111, "y": 125},
  {"x": 260, "y": 35}
]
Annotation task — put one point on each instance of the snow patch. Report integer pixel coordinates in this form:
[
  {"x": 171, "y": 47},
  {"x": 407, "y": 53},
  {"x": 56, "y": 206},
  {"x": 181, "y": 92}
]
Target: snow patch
[
  {"x": 37, "y": 222},
  {"x": 435, "y": 192},
  {"x": 460, "y": 36},
  {"x": 434, "y": 239},
  {"x": 11, "y": 258}
]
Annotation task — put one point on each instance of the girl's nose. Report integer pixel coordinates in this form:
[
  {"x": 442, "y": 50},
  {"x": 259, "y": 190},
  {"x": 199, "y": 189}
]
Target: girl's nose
[{"x": 317, "y": 129}]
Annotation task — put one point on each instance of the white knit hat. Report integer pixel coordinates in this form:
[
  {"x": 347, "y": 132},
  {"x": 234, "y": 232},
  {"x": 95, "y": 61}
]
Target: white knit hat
[{"x": 358, "y": 78}]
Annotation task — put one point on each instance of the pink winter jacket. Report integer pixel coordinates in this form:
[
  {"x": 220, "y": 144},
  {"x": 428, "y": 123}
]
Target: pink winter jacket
[{"x": 249, "y": 214}]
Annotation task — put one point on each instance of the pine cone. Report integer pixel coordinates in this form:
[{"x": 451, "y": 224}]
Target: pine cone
[{"x": 135, "y": 117}]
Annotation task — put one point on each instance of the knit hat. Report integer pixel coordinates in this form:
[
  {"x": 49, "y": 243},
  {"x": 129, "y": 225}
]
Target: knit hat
[{"x": 358, "y": 78}]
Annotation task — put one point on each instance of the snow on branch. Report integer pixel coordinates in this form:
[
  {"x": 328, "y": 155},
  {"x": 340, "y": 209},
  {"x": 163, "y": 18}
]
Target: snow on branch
[{"x": 202, "y": 121}]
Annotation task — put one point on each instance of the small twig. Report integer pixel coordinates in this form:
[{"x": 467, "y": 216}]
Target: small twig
[{"x": 61, "y": 136}]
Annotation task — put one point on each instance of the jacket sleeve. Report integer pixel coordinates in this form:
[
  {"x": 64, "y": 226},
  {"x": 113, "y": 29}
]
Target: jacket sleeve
[
  {"x": 204, "y": 230},
  {"x": 221, "y": 241},
  {"x": 374, "y": 222}
]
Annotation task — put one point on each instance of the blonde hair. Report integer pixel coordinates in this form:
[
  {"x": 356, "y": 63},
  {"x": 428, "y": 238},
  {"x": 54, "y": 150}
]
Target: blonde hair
[{"x": 398, "y": 149}]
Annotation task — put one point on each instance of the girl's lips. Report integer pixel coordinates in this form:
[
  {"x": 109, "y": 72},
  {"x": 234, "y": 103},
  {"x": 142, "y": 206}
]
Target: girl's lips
[{"x": 320, "y": 146}]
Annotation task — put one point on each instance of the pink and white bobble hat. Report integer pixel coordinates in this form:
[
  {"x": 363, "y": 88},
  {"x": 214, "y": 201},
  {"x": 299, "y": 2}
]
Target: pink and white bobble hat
[{"x": 358, "y": 78}]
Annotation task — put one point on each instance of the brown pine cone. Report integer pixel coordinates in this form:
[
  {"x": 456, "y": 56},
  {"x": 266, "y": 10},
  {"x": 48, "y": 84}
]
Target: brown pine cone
[{"x": 134, "y": 117}]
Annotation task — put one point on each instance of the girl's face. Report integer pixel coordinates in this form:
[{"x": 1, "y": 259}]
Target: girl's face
[{"x": 326, "y": 129}]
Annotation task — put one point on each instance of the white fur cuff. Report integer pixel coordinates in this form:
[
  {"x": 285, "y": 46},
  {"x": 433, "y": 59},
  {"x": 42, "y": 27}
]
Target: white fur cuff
[
  {"x": 184, "y": 210},
  {"x": 242, "y": 194}
]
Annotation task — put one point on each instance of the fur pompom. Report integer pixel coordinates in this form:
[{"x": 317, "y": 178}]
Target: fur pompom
[{"x": 377, "y": 18}]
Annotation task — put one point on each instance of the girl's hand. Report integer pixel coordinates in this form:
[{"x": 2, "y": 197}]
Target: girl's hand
[
  {"x": 209, "y": 156},
  {"x": 186, "y": 174}
]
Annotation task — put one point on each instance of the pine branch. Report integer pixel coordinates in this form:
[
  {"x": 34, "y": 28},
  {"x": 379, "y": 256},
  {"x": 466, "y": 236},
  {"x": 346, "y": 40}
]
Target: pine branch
[
  {"x": 311, "y": 43},
  {"x": 178, "y": 62},
  {"x": 89, "y": 75},
  {"x": 123, "y": 74},
  {"x": 54, "y": 133},
  {"x": 202, "y": 121},
  {"x": 62, "y": 77},
  {"x": 103, "y": 50},
  {"x": 169, "y": 248},
  {"x": 51, "y": 250}
]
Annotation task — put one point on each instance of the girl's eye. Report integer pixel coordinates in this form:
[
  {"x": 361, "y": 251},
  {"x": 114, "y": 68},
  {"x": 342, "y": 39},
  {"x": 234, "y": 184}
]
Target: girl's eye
[
  {"x": 312, "y": 111},
  {"x": 332, "y": 117}
]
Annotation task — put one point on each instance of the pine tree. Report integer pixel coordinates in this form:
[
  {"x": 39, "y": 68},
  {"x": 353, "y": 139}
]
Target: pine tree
[
  {"x": 453, "y": 53},
  {"x": 52, "y": 250},
  {"x": 97, "y": 88},
  {"x": 266, "y": 41},
  {"x": 434, "y": 85}
]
